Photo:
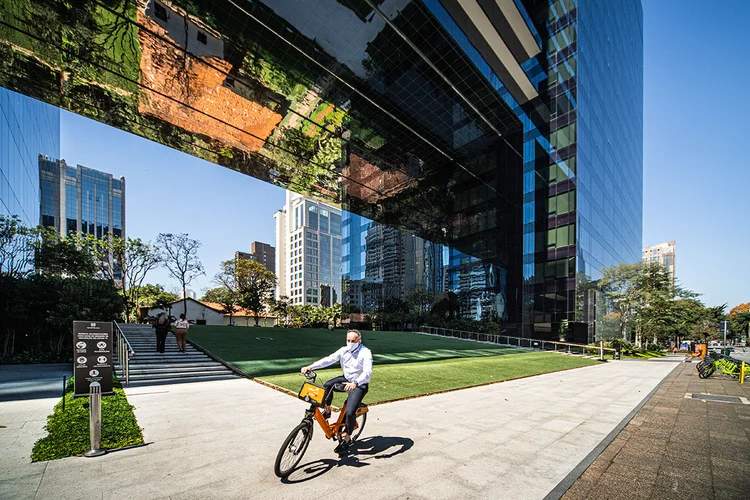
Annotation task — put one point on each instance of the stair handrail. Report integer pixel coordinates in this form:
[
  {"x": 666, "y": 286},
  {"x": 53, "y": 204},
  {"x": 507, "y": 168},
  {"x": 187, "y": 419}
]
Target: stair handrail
[{"x": 124, "y": 352}]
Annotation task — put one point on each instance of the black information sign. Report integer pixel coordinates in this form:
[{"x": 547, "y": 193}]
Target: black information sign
[{"x": 92, "y": 355}]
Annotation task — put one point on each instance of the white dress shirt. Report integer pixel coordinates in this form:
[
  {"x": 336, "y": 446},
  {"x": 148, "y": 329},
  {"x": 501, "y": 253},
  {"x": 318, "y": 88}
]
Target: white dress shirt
[{"x": 357, "y": 365}]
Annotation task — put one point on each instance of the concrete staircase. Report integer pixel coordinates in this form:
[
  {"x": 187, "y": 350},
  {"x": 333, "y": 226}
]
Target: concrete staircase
[{"x": 148, "y": 367}]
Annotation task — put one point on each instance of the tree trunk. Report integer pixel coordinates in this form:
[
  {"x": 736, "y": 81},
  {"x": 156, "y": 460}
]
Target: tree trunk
[
  {"x": 256, "y": 319},
  {"x": 184, "y": 300}
]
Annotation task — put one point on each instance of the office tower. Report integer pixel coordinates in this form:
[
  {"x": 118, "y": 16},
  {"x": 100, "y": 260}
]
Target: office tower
[
  {"x": 265, "y": 254},
  {"x": 508, "y": 131},
  {"x": 382, "y": 263},
  {"x": 664, "y": 254},
  {"x": 80, "y": 199},
  {"x": 28, "y": 128},
  {"x": 308, "y": 251}
]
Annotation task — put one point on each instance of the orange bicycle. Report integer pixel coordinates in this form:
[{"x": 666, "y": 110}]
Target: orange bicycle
[{"x": 295, "y": 445}]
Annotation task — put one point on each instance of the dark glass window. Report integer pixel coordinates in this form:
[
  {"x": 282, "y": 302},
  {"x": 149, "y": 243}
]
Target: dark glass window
[
  {"x": 202, "y": 38},
  {"x": 160, "y": 12}
]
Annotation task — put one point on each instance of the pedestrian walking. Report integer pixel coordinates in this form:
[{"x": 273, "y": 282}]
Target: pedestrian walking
[
  {"x": 180, "y": 332},
  {"x": 162, "y": 330}
]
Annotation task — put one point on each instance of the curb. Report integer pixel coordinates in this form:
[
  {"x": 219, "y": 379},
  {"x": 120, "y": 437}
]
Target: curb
[{"x": 564, "y": 485}]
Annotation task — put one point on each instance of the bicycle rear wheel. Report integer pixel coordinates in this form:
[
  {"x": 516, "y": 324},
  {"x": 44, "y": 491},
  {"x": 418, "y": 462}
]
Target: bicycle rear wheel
[
  {"x": 293, "y": 449},
  {"x": 361, "y": 420}
]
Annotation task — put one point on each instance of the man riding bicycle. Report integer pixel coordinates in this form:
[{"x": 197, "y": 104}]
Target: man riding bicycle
[{"x": 356, "y": 362}]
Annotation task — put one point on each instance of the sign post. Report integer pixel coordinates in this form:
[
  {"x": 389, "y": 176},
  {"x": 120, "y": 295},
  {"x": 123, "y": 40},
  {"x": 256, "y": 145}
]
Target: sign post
[
  {"x": 724, "y": 324},
  {"x": 92, "y": 356}
]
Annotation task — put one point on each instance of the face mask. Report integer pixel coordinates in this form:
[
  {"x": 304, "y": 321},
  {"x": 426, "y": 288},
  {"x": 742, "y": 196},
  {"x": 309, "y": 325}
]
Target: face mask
[{"x": 352, "y": 346}]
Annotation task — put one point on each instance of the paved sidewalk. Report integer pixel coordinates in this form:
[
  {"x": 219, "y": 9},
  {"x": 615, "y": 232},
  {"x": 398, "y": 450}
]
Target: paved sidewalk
[
  {"x": 677, "y": 447},
  {"x": 219, "y": 439}
]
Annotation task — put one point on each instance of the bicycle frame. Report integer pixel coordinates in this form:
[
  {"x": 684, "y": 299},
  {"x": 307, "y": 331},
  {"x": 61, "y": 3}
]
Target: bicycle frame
[{"x": 331, "y": 429}]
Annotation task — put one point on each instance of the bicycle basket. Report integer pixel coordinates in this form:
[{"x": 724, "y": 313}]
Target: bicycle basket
[{"x": 312, "y": 393}]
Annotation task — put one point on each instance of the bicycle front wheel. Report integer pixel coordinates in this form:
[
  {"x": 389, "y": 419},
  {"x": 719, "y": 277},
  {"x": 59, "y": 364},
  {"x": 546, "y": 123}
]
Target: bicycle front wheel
[{"x": 293, "y": 449}]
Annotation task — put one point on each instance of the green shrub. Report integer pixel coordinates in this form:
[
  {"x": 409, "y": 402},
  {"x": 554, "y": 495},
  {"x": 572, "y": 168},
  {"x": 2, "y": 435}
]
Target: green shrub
[{"x": 69, "y": 430}]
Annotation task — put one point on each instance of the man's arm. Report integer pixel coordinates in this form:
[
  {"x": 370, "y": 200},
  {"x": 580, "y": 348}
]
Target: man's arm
[
  {"x": 366, "y": 370},
  {"x": 327, "y": 361}
]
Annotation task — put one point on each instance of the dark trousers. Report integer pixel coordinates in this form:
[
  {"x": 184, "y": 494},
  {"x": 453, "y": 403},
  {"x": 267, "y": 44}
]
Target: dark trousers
[
  {"x": 352, "y": 401},
  {"x": 161, "y": 339}
]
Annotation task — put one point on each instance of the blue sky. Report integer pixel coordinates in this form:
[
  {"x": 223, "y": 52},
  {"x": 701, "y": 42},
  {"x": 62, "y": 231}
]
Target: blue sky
[
  {"x": 169, "y": 191},
  {"x": 696, "y": 167},
  {"x": 696, "y": 173}
]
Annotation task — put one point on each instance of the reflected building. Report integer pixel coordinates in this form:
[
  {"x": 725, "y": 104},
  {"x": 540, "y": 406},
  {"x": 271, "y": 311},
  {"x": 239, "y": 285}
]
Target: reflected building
[
  {"x": 382, "y": 263},
  {"x": 308, "y": 251},
  {"x": 28, "y": 128},
  {"x": 509, "y": 132},
  {"x": 80, "y": 200}
]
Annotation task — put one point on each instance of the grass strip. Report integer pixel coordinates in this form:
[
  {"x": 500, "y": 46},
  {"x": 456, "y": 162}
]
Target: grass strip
[
  {"x": 292, "y": 348},
  {"x": 397, "y": 381},
  {"x": 69, "y": 430}
]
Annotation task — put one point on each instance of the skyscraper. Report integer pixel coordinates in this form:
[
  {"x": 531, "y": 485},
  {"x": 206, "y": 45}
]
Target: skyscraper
[
  {"x": 260, "y": 252},
  {"x": 265, "y": 254},
  {"x": 308, "y": 251},
  {"x": 28, "y": 128},
  {"x": 80, "y": 199},
  {"x": 381, "y": 262},
  {"x": 508, "y": 131},
  {"x": 663, "y": 253}
]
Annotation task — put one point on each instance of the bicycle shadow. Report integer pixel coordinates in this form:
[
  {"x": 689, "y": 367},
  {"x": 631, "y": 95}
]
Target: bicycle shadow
[{"x": 371, "y": 448}]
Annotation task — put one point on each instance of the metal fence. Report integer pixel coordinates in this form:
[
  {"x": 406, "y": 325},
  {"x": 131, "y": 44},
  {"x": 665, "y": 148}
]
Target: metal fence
[{"x": 524, "y": 342}]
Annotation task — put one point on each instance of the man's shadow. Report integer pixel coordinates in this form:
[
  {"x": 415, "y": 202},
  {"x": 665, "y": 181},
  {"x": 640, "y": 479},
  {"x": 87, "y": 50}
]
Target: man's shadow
[{"x": 358, "y": 455}]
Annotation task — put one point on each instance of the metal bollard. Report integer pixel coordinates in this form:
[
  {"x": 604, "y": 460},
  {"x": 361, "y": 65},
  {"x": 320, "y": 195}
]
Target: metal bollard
[
  {"x": 601, "y": 350},
  {"x": 95, "y": 420}
]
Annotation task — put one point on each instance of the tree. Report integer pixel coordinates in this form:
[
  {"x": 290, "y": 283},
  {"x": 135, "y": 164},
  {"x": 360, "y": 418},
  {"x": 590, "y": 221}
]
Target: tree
[
  {"x": 336, "y": 313},
  {"x": 16, "y": 250},
  {"x": 227, "y": 298},
  {"x": 281, "y": 307},
  {"x": 63, "y": 255},
  {"x": 252, "y": 282},
  {"x": 739, "y": 318},
  {"x": 180, "y": 257},
  {"x": 125, "y": 262},
  {"x": 154, "y": 296},
  {"x": 620, "y": 283}
]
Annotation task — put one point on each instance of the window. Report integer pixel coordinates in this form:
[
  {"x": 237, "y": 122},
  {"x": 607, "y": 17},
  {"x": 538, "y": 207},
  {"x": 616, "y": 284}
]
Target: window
[
  {"x": 160, "y": 12},
  {"x": 202, "y": 38}
]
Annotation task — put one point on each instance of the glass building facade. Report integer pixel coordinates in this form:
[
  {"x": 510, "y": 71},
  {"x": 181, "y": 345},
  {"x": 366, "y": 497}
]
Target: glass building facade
[
  {"x": 509, "y": 132},
  {"x": 28, "y": 128},
  {"x": 382, "y": 263},
  {"x": 81, "y": 200},
  {"x": 308, "y": 251}
]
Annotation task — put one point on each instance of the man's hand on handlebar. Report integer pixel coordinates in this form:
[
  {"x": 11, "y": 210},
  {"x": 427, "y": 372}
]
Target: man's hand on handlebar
[{"x": 305, "y": 369}]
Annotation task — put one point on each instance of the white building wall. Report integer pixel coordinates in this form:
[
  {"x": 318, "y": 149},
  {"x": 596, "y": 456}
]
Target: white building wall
[
  {"x": 210, "y": 46},
  {"x": 195, "y": 311},
  {"x": 282, "y": 269},
  {"x": 301, "y": 257}
]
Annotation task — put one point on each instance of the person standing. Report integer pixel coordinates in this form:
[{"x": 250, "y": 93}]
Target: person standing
[
  {"x": 162, "y": 330},
  {"x": 180, "y": 332}
]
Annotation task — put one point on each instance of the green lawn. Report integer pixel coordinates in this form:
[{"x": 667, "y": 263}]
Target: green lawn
[
  {"x": 292, "y": 348},
  {"x": 391, "y": 382},
  {"x": 406, "y": 364}
]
